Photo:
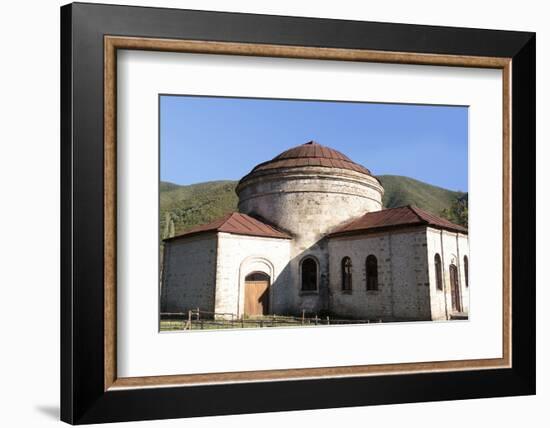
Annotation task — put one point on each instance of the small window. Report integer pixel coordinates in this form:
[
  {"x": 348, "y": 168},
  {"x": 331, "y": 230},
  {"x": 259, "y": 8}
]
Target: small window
[
  {"x": 346, "y": 274},
  {"x": 466, "y": 270},
  {"x": 438, "y": 272},
  {"x": 309, "y": 274},
  {"x": 372, "y": 273}
]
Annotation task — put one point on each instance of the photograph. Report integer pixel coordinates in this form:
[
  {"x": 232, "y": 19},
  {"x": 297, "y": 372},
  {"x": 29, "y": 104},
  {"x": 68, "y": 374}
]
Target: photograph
[{"x": 303, "y": 213}]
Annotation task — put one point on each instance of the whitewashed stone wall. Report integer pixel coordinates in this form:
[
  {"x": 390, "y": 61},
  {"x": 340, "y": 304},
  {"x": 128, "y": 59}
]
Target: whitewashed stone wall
[
  {"x": 189, "y": 274},
  {"x": 239, "y": 255},
  {"x": 403, "y": 290},
  {"x": 452, "y": 247}
]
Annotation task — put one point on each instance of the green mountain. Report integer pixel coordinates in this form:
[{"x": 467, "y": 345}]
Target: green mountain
[
  {"x": 182, "y": 207},
  {"x": 401, "y": 191}
]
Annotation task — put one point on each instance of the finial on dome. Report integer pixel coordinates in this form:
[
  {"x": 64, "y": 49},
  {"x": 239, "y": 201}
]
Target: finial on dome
[{"x": 312, "y": 142}]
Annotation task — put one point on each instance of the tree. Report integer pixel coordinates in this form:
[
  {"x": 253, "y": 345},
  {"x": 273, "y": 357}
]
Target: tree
[{"x": 458, "y": 211}]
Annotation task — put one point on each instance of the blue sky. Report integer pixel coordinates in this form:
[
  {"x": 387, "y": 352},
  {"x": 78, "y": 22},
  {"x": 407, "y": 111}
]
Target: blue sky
[{"x": 213, "y": 138}]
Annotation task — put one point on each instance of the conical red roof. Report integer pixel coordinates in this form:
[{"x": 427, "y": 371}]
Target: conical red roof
[{"x": 310, "y": 154}]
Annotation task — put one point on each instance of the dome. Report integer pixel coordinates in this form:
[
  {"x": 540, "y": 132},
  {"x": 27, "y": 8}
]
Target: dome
[
  {"x": 308, "y": 190},
  {"x": 309, "y": 154}
]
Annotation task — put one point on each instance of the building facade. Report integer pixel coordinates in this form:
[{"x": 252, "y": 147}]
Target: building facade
[{"x": 311, "y": 236}]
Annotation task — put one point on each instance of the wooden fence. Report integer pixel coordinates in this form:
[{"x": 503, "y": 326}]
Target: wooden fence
[{"x": 197, "y": 319}]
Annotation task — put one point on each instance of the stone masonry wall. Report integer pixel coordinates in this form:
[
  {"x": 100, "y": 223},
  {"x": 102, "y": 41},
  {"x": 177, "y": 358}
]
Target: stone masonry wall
[
  {"x": 403, "y": 293},
  {"x": 189, "y": 274},
  {"x": 316, "y": 197},
  {"x": 410, "y": 275}
]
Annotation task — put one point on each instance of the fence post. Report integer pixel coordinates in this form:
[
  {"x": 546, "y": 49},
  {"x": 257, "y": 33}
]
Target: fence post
[
  {"x": 198, "y": 314},
  {"x": 303, "y": 315},
  {"x": 315, "y": 319},
  {"x": 328, "y": 320},
  {"x": 189, "y": 318}
]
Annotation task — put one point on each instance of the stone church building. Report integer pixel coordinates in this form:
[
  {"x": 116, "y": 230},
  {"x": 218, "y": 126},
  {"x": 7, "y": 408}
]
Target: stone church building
[{"x": 312, "y": 235}]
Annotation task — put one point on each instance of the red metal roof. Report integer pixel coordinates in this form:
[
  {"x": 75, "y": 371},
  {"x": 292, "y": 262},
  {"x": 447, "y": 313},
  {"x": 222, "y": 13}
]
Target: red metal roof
[
  {"x": 310, "y": 154},
  {"x": 394, "y": 218},
  {"x": 237, "y": 223}
]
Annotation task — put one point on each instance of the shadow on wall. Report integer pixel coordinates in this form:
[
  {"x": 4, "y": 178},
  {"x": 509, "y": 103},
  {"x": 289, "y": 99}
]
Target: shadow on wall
[{"x": 287, "y": 295}]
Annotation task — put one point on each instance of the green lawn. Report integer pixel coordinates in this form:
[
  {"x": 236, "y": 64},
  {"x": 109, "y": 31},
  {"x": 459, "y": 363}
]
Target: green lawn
[{"x": 269, "y": 321}]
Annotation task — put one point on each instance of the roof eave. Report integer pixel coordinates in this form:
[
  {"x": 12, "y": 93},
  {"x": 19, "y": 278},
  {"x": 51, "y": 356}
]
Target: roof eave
[
  {"x": 214, "y": 232},
  {"x": 449, "y": 229},
  {"x": 258, "y": 235},
  {"x": 189, "y": 235},
  {"x": 366, "y": 231}
]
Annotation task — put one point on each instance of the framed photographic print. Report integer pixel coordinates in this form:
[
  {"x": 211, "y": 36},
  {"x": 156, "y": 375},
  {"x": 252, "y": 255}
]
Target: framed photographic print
[{"x": 276, "y": 213}]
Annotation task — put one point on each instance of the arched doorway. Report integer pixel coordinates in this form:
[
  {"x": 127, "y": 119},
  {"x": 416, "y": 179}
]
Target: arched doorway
[
  {"x": 455, "y": 288},
  {"x": 256, "y": 294}
]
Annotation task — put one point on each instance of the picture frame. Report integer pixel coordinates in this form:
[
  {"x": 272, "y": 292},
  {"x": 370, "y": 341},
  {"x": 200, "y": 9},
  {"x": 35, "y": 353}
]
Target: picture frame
[{"x": 91, "y": 391}]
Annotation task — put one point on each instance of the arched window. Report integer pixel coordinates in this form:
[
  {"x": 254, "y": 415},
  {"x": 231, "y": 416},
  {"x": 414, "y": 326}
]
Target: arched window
[
  {"x": 346, "y": 274},
  {"x": 372, "y": 273},
  {"x": 438, "y": 272},
  {"x": 455, "y": 289},
  {"x": 466, "y": 270},
  {"x": 309, "y": 274}
]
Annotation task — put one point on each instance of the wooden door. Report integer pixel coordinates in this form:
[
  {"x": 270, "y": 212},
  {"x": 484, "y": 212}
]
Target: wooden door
[
  {"x": 256, "y": 294},
  {"x": 455, "y": 288}
]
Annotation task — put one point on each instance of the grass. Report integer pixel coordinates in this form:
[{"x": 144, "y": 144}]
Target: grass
[
  {"x": 209, "y": 324},
  {"x": 267, "y": 321}
]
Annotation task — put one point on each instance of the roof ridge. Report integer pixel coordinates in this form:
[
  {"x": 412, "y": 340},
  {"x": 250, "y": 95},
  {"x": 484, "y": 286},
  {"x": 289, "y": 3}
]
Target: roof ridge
[
  {"x": 224, "y": 219},
  {"x": 418, "y": 212},
  {"x": 257, "y": 222},
  {"x": 353, "y": 220},
  {"x": 241, "y": 219},
  {"x": 427, "y": 216}
]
